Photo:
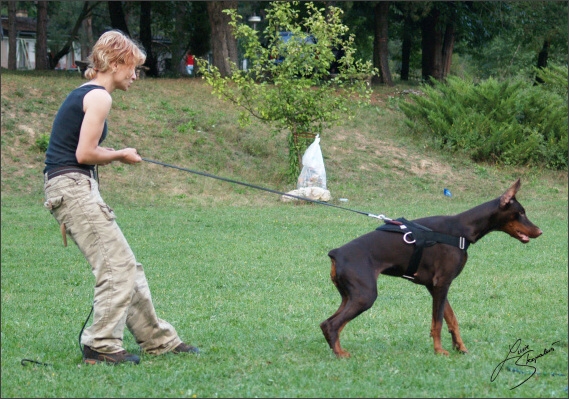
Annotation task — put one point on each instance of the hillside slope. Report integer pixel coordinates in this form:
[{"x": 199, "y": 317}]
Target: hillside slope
[{"x": 178, "y": 121}]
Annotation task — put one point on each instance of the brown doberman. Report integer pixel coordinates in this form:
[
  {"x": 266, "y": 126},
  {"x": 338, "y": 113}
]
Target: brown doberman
[{"x": 429, "y": 251}]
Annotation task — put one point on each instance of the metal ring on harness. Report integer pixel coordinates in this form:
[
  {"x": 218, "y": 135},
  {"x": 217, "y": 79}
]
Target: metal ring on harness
[{"x": 406, "y": 240}]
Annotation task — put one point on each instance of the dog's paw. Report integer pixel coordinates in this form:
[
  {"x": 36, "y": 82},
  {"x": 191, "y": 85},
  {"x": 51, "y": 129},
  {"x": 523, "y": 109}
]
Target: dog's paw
[
  {"x": 460, "y": 348},
  {"x": 441, "y": 351},
  {"x": 343, "y": 354}
]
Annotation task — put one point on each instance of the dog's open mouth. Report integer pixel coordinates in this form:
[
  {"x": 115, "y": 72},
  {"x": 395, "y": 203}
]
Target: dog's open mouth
[{"x": 522, "y": 237}]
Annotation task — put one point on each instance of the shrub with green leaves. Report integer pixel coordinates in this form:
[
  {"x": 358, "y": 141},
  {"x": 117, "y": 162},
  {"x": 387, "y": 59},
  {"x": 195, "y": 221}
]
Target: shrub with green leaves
[
  {"x": 42, "y": 141},
  {"x": 297, "y": 92},
  {"x": 513, "y": 122}
]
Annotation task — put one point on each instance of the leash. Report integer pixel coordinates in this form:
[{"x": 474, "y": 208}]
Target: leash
[
  {"x": 83, "y": 328},
  {"x": 24, "y": 362},
  {"x": 381, "y": 217}
]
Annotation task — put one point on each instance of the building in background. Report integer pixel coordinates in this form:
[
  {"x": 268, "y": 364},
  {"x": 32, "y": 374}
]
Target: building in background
[{"x": 26, "y": 45}]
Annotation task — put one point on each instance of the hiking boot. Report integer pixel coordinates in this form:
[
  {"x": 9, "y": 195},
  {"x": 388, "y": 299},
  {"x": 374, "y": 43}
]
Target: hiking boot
[
  {"x": 91, "y": 356},
  {"x": 185, "y": 348}
]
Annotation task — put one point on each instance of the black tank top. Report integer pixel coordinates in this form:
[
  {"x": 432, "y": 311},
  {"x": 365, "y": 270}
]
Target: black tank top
[{"x": 65, "y": 131}]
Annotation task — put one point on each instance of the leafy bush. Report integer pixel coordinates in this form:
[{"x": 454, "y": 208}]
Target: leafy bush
[
  {"x": 513, "y": 122},
  {"x": 42, "y": 141},
  {"x": 297, "y": 94}
]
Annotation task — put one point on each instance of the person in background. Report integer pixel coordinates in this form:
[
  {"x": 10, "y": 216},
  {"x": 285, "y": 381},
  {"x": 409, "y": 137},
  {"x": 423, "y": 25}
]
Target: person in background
[
  {"x": 190, "y": 59},
  {"x": 122, "y": 296}
]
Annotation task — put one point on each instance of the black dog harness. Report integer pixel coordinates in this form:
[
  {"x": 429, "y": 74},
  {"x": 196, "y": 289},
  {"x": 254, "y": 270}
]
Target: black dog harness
[{"x": 421, "y": 236}]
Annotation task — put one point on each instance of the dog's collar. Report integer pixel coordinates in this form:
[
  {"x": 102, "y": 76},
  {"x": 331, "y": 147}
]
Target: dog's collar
[{"x": 420, "y": 236}]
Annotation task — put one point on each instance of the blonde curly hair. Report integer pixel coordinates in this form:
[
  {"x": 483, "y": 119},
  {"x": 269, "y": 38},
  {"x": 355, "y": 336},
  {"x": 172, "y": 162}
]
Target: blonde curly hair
[{"x": 114, "y": 46}]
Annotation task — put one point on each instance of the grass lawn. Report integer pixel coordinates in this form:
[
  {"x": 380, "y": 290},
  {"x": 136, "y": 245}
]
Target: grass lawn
[{"x": 246, "y": 278}]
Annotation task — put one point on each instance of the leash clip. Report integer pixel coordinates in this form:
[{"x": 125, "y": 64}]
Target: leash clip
[{"x": 381, "y": 217}]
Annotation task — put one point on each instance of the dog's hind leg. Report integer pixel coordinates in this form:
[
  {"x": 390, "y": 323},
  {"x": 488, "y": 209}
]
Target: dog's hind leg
[{"x": 356, "y": 299}]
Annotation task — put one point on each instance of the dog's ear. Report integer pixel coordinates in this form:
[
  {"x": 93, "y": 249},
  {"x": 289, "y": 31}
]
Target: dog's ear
[{"x": 510, "y": 194}]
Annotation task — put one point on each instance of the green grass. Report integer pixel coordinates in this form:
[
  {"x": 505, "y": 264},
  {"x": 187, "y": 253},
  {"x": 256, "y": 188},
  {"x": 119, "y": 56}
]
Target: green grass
[
  {"x": 246, "y": 278},
  {"x": 250, "y": 286}
]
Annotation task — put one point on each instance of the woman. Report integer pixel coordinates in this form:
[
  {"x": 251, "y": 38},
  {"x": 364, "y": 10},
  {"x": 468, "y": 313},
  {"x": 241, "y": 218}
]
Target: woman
[{"x": 122, "y": 296}]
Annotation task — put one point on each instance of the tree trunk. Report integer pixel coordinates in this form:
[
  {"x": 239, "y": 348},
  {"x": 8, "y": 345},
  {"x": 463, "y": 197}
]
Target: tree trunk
[
  {"x": 88, "y": 43},
  {"x": 448, "y": 46},
  {"x": 12, "y": 39},
  {"x": 406, "y": 45},
  {"x": 146, "y": 37},
  {"x": 118, "y": 20},
  {"x": 431, "y": 43},
  {"x": 42, "y": 58},
  {"x": 543, "y": 55},
  {"x": 223, "y": 43},
  {"x": 380, "y": 38},
  {"x": 178, "y": 46},
  {"x": 426, "y": 47},
  {"x": 200, "y": 38},
  {"x": 542, "y": 59}
]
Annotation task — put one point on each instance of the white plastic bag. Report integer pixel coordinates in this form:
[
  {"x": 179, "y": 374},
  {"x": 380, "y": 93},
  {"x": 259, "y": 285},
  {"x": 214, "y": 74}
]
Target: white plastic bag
[{"x": 313, "y": 173}]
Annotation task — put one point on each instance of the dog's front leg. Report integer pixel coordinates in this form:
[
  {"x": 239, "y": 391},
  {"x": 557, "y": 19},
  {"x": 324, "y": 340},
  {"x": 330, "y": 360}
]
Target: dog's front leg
[
  {"x": 439, "y": 295},
  {"x": 452, "y": 324}
]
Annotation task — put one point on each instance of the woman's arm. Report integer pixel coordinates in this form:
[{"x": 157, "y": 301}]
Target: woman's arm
[{"x": 97, "y": 105}]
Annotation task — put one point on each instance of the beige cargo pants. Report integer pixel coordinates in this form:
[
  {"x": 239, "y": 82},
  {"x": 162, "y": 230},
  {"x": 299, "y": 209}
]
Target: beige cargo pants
[{"x": 122, "y": 296}]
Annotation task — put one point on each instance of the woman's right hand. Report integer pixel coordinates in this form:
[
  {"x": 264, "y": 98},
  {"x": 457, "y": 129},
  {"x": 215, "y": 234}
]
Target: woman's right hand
[{"x": 130, "y": 156}]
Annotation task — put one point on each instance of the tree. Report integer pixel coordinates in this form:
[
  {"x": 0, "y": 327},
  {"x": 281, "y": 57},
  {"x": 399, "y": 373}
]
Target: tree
[
  {"x": 287, "y": 83},
  {"x": 510, "y": 38},
  {"x": 405, "y": 28},
  {"x": 118, "y": 20},
  {"x": 42, "y": 59},
  {"x": 541, "y": 26},
  {"x": 12, "y": 32},
  {"x": 431, "y": 46},
  {"x": 178, "y": 46},
  {"x": 380, "y": 39},
  {"x": 87, "y": 40},
  {"x": 441, "y": 23},
  {"x": 187, "y": 24},
  {"x": 199, "y": 29},
  {"x": 223, "y": 42},
  {"x": 406, "y": 43},
  {"x": 448, "y": 46},
  {"x": 357, "y": 17},
  {"x": 73, "y": 35},
  {"x": 362, "y": 18},
  {"x": 146, "y": 37}
]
